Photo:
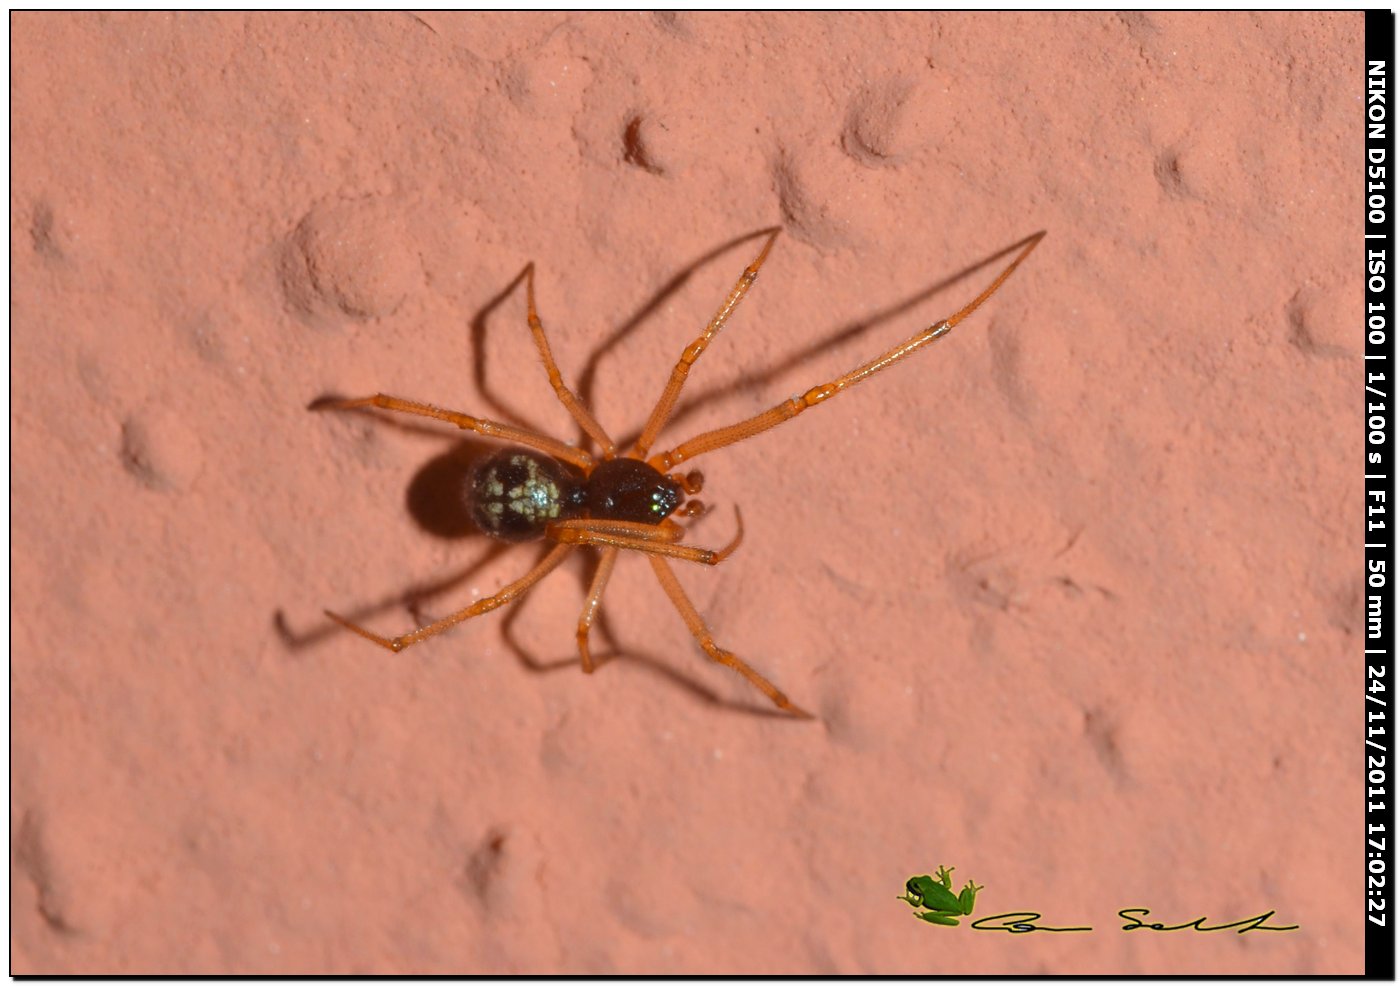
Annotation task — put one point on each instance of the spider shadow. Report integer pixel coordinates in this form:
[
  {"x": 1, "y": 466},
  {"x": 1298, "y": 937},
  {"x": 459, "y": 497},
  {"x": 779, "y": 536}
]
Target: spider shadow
[
  {"x": 615, "y": 651},
  {"x": 435, "y": 496},
  {"x": 435, "y": 499},
  {"x": 587, "y": 379},
  {"x": 479, "y": 329},
  {"x": 747, "y": 381},
  {"x": 751, "y": 380}
]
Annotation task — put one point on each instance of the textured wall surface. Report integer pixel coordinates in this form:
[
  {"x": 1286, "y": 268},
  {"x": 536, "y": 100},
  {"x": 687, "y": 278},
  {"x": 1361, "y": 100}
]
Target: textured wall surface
[{"x": 1073, "y": 593}]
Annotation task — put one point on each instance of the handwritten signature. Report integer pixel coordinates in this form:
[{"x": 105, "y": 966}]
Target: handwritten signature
[{"x": 1024, "y": 922}]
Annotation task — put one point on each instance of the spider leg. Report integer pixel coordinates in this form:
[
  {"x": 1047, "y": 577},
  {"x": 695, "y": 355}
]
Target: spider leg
[
  {"x": 606, "y": 560},
  {"x": 567, "y": 397},
  {"x": 668, "y": 531},
  {"x": 651, "y": 540},
  {"x": 483, "y": 427},
  {"x": 507, "y": 595},
  {"x": 702, "y": 636},
  {"x": 793, "y": 406},
  {"x": 667, "y": 403}
]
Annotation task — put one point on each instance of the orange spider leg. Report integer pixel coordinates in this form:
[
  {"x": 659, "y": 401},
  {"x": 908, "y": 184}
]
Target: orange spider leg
[
  {"x": 567, "y": 397},
  {"x": 667, "y": 531},
  {"x": 607, "y": 558},
  {"x": 488, "y": 429},
  {"x": 702, "y": 636},
  {"x": 650, "y": 540},
  {"x": 667, "y": 402},
  {"x": 791, "y": 408},
  {"x": 509, "y": 594}
]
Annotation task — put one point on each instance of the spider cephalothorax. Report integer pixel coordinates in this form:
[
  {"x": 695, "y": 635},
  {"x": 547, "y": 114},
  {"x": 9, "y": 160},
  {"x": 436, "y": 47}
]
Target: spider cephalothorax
[
  {"x": 562, "y": 493},
  {"x": 630, "y": 489}
]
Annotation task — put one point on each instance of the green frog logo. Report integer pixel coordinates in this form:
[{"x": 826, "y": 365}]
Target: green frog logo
[{"x": 933, "y": 899}]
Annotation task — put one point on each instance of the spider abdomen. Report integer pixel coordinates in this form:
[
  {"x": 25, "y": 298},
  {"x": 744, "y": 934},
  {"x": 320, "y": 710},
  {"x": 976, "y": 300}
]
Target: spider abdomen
[{"x": 516, "y": 493}]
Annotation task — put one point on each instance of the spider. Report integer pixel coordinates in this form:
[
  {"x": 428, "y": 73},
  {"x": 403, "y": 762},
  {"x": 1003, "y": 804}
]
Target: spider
[{"x": 548, "y": 489}]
